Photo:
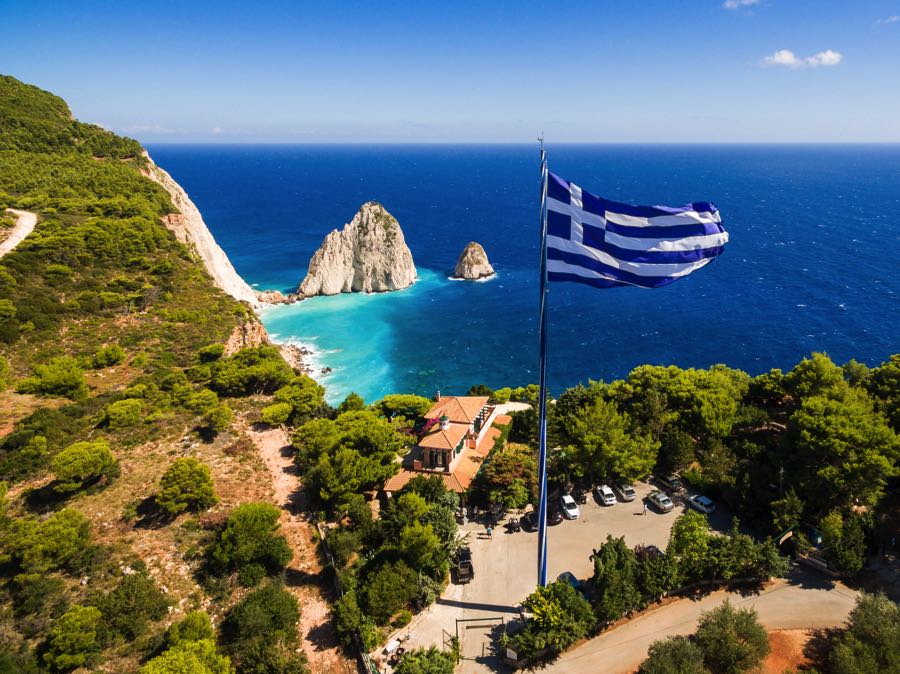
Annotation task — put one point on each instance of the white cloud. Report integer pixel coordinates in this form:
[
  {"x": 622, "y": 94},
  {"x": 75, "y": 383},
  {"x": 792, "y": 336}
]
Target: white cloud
[
  {"x": 889, "y": 19},
  {"x": 739, "y": 4},
  {"x": 216, "y": 130},
  {"x": 787, "y": 58}
]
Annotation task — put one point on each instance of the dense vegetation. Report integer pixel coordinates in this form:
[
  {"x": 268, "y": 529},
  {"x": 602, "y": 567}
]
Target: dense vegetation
[{"x": 113, "y": 368}]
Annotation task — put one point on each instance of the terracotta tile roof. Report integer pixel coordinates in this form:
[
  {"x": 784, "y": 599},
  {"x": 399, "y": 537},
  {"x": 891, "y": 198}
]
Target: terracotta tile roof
[
  {"x": 440, "y": 439},
  {"x": 459, "y": 409}
]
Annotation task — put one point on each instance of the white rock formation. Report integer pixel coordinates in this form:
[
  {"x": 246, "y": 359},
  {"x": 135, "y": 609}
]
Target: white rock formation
[
  {"x": 368, "y": 255},
  {"x": 473, "y": 263},
  {"x": 190, "y": 229}
]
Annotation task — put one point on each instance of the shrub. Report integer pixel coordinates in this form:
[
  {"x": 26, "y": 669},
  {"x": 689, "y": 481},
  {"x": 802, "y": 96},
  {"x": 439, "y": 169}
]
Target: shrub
[
  {"x": 131, "y": 606},
  {"x": 427, "y": 661},
  {"x": 186, "y": 484},
  {"x": 251, "y": 535},
  {"x": 81, "y": 463},
  {"x": 218, "y": 419},
  {"x": 4, "y": 373},
  {"x": 675, "y": 655},
  {"x": 250, "y": 575},
  {"x": 257, "y": 370},
  {"x": 276, "y": 414},
  {"x": 211, "y": 352},
  {"x": 732, "y": 641},
  {"x": 560, "y": 617},
  {"x": 348, "y": 618},
  {"x": 62, "y": 376},
  {"x": 305, "y": 397},
  {"x": 270, "y": 611},
  {"x": 107, "y": 356},
  {"x": 60, "y": 541},
  {"x": 352, "y": 403},
  {"x": 124, "y": 413},
  {"x": 387, "y": 589},
  {"x": 195, "y": 626},
  {"x": 190, "y": 657},
  {"x": 73, "y": 639}
]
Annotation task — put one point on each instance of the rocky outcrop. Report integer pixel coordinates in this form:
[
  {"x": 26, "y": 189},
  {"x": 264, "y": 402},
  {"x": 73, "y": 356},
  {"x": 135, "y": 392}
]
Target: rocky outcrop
[
  {"x": 473, "y": 263},
  {"x": 276, "y": 297},
  {"x": 190, "y": 229},
  {"x": 248, "y": 334},
  {"x": 368, "y": 255}
]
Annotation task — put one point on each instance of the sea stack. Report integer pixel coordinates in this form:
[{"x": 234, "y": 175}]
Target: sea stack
[
  {"x": 473, "y": 263},
  {"x": 369, "y": 255}
]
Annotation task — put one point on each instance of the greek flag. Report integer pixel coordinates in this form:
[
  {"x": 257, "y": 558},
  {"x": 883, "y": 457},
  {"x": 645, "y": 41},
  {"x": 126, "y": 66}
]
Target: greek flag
[{"x": 606, "y": 243}]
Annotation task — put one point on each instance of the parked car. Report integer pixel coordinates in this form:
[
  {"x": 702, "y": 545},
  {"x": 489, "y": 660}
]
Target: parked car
[
  {"x": 625, "y": 491},
  {"x": 580, "y": 496},
  {"x": 570, "y": 578},
  {"x": 671, "y": 484},
  {"x": 569, "y": 507},
  {"x": 605, "y": 495},
  {"x": 554, "y": 516},
  {"x": 702, "y": 503},
  {"x": 661, "y": 502},
  {"x": 465, "y": 572}
]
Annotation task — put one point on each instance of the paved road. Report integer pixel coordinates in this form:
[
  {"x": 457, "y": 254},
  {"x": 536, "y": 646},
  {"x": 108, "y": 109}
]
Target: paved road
[
  {"x": 23, "y": 227},
  {"x": 804, "y": 602}
]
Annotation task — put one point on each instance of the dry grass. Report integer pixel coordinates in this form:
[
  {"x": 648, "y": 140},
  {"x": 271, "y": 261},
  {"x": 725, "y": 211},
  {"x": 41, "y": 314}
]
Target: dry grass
[{"x": 787, "y": 651}]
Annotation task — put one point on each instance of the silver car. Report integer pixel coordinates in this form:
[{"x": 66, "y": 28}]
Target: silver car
[
  {"x": 625, "y": 491},
  {"x": 661, "y": 502}
]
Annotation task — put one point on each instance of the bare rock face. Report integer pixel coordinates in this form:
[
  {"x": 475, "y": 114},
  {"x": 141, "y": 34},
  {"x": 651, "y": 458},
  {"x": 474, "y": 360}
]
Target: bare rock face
[
  {"x": 473, "y": 263},
  {"x": 250, "y": 333},
  {"x": 368, "y": 255},
  {"x": 275, "y": 297}
]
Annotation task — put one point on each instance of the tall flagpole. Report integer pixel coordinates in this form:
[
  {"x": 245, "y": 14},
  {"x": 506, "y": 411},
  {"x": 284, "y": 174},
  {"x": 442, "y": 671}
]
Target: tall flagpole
[{"x": 542, "y": 401}]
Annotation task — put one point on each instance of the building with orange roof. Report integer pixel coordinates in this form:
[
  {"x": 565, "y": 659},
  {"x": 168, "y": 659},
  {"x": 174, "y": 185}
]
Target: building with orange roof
[{"x": 458, "y": 434}]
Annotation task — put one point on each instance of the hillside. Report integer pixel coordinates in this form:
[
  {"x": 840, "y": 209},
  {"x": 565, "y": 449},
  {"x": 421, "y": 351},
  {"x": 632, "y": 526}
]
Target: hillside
[{"x": 125, "y": 442}]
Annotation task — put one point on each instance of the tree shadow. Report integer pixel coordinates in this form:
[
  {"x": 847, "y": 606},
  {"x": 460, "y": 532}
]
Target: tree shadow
[
  {"x": 322, "y": 636},
  {"x": 298, "y": 578},
  {"x": 819, "y": 646},
  {"x": 150, "y": 515}
]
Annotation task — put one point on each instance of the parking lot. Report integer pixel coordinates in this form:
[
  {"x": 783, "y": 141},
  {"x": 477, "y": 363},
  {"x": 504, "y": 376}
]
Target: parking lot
[{"x": 506, "y": 567}]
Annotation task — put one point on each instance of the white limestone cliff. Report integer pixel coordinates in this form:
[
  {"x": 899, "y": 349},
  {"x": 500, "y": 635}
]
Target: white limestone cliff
[
  {"x": 190, "y": 229},
  {"x": 473, "y": 263},
  {"x": 368, "y": 255}
]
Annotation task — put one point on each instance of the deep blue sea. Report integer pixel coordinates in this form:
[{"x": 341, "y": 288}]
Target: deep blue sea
[{"x": 812, "y": 264}]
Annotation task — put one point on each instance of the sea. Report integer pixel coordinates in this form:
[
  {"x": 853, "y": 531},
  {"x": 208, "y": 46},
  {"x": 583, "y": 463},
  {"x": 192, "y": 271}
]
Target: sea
[{"x": 812, "y": 263}]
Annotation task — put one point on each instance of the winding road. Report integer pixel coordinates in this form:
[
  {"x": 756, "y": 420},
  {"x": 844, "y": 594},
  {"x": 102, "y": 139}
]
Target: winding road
[{"x": 25, "y": 223}]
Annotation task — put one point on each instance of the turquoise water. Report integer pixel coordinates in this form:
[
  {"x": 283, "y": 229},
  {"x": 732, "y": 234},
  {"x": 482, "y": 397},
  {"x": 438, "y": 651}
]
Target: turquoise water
[{"x": 815, "y": 236}]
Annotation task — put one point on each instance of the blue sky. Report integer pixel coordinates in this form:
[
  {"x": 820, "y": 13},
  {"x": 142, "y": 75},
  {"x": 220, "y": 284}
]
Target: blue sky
[{"x": 626, "y": 71}]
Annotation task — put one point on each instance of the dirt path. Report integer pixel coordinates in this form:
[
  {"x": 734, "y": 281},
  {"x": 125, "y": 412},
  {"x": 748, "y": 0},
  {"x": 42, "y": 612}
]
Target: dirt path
[
  {"x": 23, "y": 227},
  {"x": 305, "y": 572}
]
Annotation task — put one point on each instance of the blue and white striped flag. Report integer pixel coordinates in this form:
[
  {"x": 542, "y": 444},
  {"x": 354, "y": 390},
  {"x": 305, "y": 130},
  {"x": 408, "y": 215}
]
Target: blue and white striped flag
[{"x": 607, "y": 244}]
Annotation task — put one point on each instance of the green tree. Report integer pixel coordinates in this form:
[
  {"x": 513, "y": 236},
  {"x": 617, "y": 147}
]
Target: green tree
[
  {"x": 186, "y": 484},
  {"x": 786, "y": 512},
  {"x": 883, "y": 384},
  {"x": 560, "y": 617},
  {"x": 107, "y": 356},
  {"x": 675, "y": 655},
  {"x": 844, "y": 542},
  {"x": 259, "y": 369},
  {"x": 73, "y": 639},
  {"x": 251, "y": 535},
  {"x": 843, "y": 451},
  {"x": 871, "y": 642},
  {"x": 386, "y": 589},
  {"x": 732, "y": 640},
  {"x": 276, "y": 414},
  {"x": 403, "y": 405},
  {"x": 422, "y": 549},
  {"x": 218, "y": 419},
  {"x": 306, "y": 398},
  {"x": 195, "y": 626},
  {"x": 615, "y": 580},
  {"x": 689, "y": 545},
  {"x": 81, "y": 463},
  {"x": 352, "y": 403},
  {"x": 426, "y": 661},
  {"x": 190, "y": 657},
  {"x": 509, "y": 477},
  {"x": 123, "y": 413},
  {"x": 605, "y": 447},
  {"x": 60, "y": 541},
  {"x": 62, "y": 377},
  {"x": 814, "y": 376},
  {"x": 131, "y": 606}
]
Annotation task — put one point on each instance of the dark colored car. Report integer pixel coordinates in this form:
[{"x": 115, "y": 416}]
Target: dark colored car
[
  {"x": 580, "y": 496},
  {"x": 554, "y": 516},
  {"x": 465, "y": 572},
  {"x": 671, "y": 484}
]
